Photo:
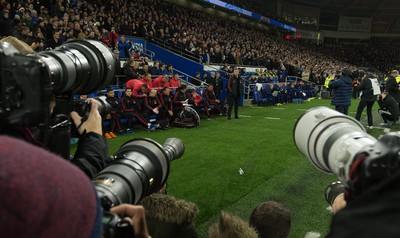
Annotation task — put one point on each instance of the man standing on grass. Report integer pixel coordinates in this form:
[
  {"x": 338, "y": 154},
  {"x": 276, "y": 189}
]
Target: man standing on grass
[
  {"x": 369, "y": 88},
  {"x": 234, "y": 93},
  {"x": 342, "y": 89}
]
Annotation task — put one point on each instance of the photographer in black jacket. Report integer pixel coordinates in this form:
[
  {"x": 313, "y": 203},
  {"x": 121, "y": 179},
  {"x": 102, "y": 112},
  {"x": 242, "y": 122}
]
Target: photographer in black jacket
[
  {"x": 369, "y": 88},
  {"x": 388, "y": 108}
]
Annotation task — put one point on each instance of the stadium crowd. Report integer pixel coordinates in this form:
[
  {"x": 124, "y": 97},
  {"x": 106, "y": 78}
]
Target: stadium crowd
[{"x": 209, "y": 39}]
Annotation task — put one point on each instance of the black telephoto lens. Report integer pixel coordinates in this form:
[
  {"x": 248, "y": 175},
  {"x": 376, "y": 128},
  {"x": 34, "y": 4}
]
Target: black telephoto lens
[
  {"x": 81, "y": 66},
  {"x": 141, "y": 167},
  {"x": 334, "y": 190}
]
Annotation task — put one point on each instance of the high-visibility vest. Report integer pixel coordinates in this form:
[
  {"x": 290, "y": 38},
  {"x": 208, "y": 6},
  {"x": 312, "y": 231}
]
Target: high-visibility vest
[
  {"x": 398, "y": 79},
  {"x": 327, "y": 80}
]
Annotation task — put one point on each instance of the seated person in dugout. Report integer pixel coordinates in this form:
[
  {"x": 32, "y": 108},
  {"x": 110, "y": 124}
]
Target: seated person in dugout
[
  {"x": 166, "y": 109},
  {"x": 116, "y": 115},
  {"x": 153, "y": 106},
  {"x": 213, "y": 100},
  {"x": 132, "y": 106},
  {"x": 200, "y": 103}
]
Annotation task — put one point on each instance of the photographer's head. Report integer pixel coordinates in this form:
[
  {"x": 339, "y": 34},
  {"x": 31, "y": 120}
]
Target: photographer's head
[
  {"x": 47, "y": 198},
  {"x": 271, "y": 220},
  {"x": 52, "y": 197}
]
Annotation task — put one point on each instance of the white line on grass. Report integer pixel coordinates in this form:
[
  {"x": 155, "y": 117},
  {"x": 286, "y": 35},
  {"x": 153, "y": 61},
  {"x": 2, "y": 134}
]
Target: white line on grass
[
  {"x": 244, "y": 116},
  {"x": 272, "y": 118},
  {"x": 278, "y": 108},
  {"x": 301, "y": 109}
]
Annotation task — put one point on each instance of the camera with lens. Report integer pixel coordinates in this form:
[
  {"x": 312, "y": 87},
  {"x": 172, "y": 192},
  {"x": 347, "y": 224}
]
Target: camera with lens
[
  {"x": 140, "y": 168},
  {"x": 339, "y": 144},
  {"x": 334, "y": 190},
  {"x": 29, "y": 83}
]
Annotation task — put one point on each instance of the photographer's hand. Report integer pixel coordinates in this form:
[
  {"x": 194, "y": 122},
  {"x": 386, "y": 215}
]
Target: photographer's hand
[
  {"x": 338, "y": 204},
  {"x": 137, "y": 217},
  {"x": 92, "y": 124}
]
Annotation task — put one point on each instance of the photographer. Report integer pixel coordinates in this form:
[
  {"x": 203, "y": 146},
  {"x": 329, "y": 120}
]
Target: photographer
[
  {"x": 388, "y": 108},
  {"x": 365, "y": 201},
  {"x": 369, "y": 88},
  {"x": 91, "y": 154},
  {"x": 51, "y": 197}
]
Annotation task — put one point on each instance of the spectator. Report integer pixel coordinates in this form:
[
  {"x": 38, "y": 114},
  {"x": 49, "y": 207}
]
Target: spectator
[
  {"x": 155, "y": 69},
  {"x": 211, "y": 79},
  {"x": 342, "y": 88},
  {"x": 170, "y": 70},
  {"x": 196, "y": 79},
  {"x": 6, "y": 24},
  {"x": 55, "y": 40},
  {"x": 131, "y": 69},
  {"x": 123, "y": 47},
  {"x": 271, "y": 220}
]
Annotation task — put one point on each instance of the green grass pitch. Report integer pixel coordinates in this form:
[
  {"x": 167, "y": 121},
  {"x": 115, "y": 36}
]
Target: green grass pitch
[{"x": 261, "y": 143}]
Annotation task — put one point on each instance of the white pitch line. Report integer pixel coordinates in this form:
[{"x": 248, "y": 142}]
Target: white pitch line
[
  {"x": 243, "y": 116},
  {"x": 301, "y": 109},
  {"x": 272, "y": 118},
  {"x": 278, "y": 108}
]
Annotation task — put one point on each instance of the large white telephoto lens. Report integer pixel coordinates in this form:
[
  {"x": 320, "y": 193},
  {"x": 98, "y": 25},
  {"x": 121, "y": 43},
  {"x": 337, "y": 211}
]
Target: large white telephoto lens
[{"x": 330, "y": 139}]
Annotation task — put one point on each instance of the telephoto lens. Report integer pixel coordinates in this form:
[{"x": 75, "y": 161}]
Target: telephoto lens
[
  {"x": 330, "y": 140},
  {"x": 104, "y": 108},
  {"x": 333, "y": 191},
  {"x": 141, "y": 167},
  {"x": 81, "y": 66}
]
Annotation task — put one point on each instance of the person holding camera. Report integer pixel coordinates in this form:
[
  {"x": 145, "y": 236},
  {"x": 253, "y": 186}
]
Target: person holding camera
[
  {"x": 342, "y": 89},
  {"x": 51, "y": 197},
  {"x": 388, "y": 108}
]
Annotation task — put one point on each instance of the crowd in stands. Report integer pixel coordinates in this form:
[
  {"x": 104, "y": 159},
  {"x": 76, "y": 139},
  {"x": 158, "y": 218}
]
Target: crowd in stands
[{"x": 207, "y": 38}]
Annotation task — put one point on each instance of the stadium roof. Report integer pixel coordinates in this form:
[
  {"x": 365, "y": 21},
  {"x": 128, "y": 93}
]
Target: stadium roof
[{"x": 354, "y": 8}]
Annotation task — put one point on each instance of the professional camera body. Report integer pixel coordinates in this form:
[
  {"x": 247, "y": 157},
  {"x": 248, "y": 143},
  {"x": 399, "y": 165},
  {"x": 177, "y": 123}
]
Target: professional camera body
[
  {"x": 29, "y": 83},
  {"x": 338, "y": 144}
]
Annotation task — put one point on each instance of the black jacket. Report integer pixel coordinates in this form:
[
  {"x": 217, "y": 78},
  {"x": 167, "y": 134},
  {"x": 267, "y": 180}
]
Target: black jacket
[
  {"x": 235, "y": 86},
  {"x": 392, "y": 87},
  {"x": 92, "y": 154},
  {"x": 389, "y": 104},
  {"x": 366, "y": 88},
  {"x": 373, "y": 214}
]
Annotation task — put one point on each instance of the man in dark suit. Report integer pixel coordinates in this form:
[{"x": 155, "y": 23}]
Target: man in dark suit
[{"x": 234, "y": 93}]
